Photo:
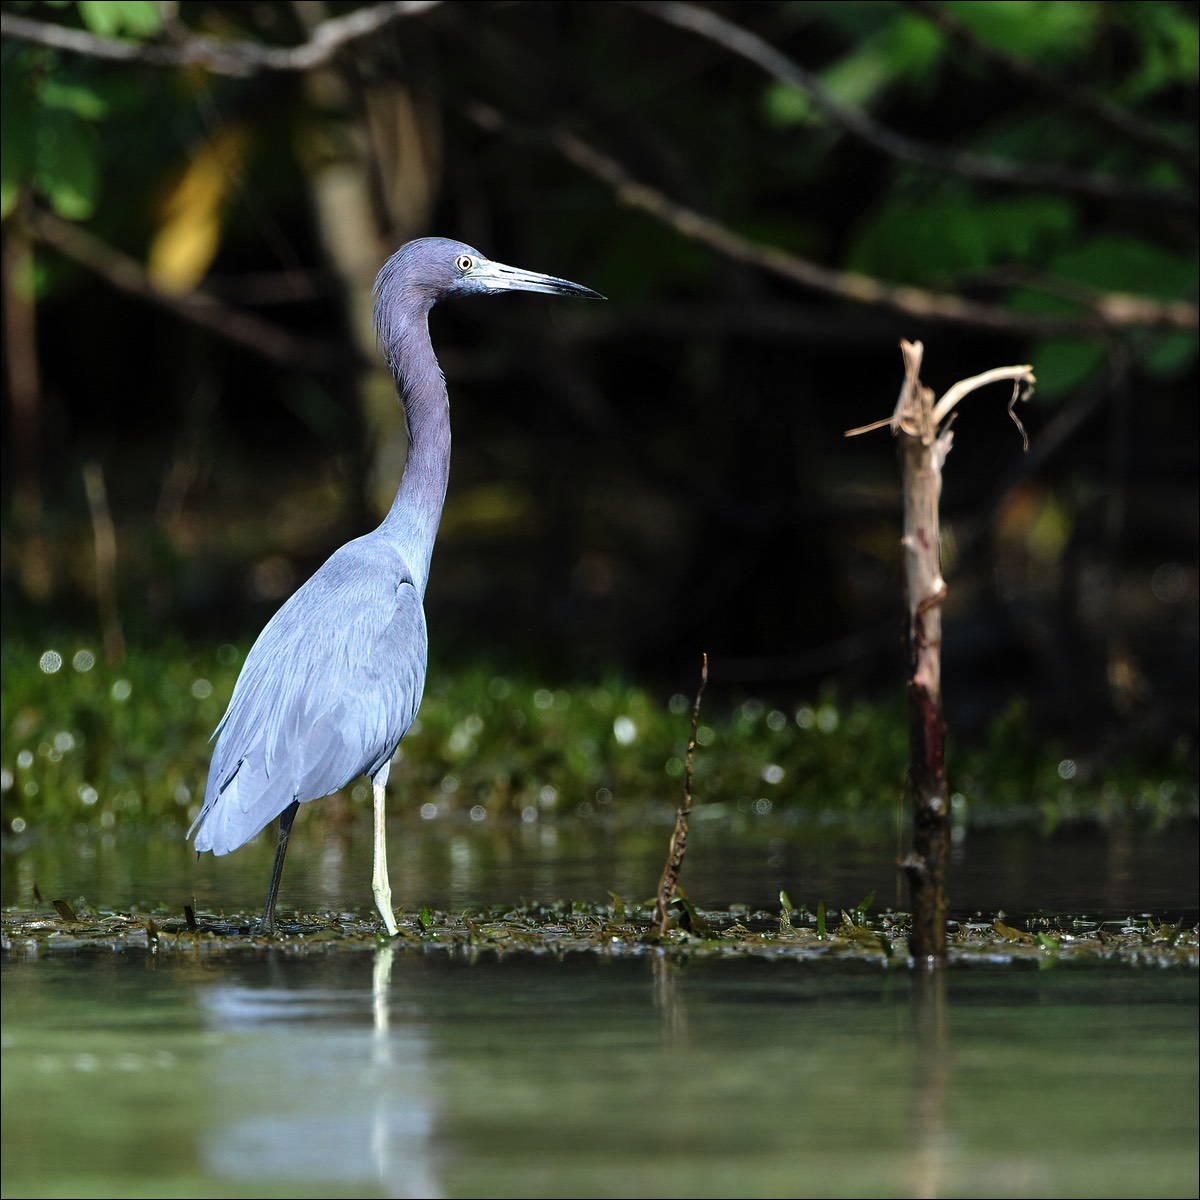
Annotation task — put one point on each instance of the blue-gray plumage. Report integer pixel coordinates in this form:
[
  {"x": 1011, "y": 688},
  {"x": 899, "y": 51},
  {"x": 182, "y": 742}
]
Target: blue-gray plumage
[{"x": 334, "y": 680}]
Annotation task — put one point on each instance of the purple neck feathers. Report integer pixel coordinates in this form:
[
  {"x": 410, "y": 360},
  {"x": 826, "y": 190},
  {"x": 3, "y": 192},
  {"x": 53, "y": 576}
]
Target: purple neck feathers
[{"x": 412, "y": 522}]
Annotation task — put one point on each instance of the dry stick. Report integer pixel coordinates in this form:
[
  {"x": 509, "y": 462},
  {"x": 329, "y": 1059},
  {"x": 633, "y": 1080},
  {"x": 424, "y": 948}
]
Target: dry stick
[
  {"x": 670, "y": 875},
  {"x": 1114, "y": 310},
  {"x": 923, "y": 451},
  {"x": 24, "y": 377},
  {"x": 198, "y": 305},
  {"x": 105, "y": 539},
  {"x": 179, "y": 47},
  {"x": 924, "y": 444}
]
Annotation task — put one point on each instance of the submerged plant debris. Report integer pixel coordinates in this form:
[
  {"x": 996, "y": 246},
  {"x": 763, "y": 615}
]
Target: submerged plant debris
[{"x": 614, "y": 929}]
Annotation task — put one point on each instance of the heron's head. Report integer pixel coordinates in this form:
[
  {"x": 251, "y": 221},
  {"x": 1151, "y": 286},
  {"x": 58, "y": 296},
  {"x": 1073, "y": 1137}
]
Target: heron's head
[{"x": 427, "y": 270}]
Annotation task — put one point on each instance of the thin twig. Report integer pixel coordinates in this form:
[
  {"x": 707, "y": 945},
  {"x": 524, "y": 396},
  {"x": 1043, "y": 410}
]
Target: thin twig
[
  {"x": 1083, "y": 101},
  {"x": 737, "y": 40},
  {"x": 104, "y": 536},
  {"x": 1022, "y": 377},
  {"x": 670, "y": 875},
  {"x": 24, "y": 374},
  {"x": 883, "y": 421},
  {"x": 199, "y": 306},
  {"x": 221, "y": 57},
  {"x": 1109, "y": 312}
]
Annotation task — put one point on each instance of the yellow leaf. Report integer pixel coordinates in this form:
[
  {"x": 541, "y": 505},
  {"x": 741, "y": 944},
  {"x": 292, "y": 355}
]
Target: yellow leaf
[
  {"x": 1009, "y": 933},
  {"x": 189, "y": 230}
]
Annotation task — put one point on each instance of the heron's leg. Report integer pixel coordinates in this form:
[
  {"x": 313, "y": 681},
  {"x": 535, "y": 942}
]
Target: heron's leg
[
  {"x": 285, "y": 828},
  {"x": 379, "y": 877}
]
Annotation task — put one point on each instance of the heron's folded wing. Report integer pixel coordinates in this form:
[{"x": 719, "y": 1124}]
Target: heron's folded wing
[{"x": 327, "y": 692}]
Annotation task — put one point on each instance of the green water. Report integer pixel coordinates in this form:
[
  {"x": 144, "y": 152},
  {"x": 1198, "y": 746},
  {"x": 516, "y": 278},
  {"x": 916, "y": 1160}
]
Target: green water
[
  {"x": 256, "y": 1072},
  {"x": 418, "y": 1074},
  {"x": 454, "y": 865}
]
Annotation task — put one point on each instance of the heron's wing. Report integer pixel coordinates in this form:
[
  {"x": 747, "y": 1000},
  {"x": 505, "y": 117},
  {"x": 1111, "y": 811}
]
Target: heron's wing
[{"x": 326, "y": 693}]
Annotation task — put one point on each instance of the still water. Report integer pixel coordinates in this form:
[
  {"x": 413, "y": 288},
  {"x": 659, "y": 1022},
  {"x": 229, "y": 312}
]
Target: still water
[
  {"x": 455, "y": 864},
  {"x": 416, "y": 1072}
]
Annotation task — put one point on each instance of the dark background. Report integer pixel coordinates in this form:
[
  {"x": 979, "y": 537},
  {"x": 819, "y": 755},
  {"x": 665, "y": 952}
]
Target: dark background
[{"x": 189, "y": 252}]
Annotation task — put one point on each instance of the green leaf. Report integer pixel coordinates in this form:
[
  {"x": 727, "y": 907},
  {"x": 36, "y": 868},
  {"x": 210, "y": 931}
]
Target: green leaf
[
  {"x": 1166, "y": 49},
  {"x": 67, "y": 171},
  {"x": 1171, "y": 355},
  {"x": 914, "y": 47},
  {"x": 906, "y": 49},
  {"x": 1042, "y": 30},
  {"x": 933, "y": 238},
  {"x": 109, "y": 18},
  {"x": 1064, "y": 364},
  {"x": 17, "y": 124},
  {"x": 57, "y": 92},
  {"x": 1128, "y": 264},
  {"x": 784, "y": 105},
  {"x": 10, "y": 189}
]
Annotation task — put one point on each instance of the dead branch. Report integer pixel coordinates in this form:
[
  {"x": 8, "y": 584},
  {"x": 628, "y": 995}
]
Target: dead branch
[
  {"x": 199, "y": 306},
  {"x": 923, "y": 450},
  {"x": 737, "y": 40},
  {"x": 1108, "y": 313},
  {"x": 104, "y": 536},
  {"x": 187, "y": 49},
  {"x": 1091, "y": 105},
  {"x": 24, "y": 374},
  {"x": 925, "y": 438},
  {"x": 678, "y": 846},
  {"x": 1022, "y": 380}
]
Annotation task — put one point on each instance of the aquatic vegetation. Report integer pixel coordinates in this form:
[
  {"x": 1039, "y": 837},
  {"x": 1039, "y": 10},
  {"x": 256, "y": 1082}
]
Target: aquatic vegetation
[
  {"x": 617, "y": 929},
  {"x": 87, "y": 746}
]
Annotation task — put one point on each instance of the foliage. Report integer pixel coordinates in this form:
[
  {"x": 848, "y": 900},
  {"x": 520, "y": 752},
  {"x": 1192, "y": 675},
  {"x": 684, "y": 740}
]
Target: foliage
[
  {"x": 90, "y": 747},
  {"x": 675, "y": 464}
]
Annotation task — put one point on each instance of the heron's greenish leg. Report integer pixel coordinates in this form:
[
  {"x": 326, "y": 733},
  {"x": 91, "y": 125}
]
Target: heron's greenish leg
[{"x": 380, "y": 886}]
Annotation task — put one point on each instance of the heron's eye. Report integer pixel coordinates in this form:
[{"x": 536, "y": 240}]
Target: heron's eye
[{"x": 464, "y": 262}]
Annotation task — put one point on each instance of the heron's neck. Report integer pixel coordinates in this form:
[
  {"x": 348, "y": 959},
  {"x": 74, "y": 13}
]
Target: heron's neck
[{"x": 412, "y": 522}]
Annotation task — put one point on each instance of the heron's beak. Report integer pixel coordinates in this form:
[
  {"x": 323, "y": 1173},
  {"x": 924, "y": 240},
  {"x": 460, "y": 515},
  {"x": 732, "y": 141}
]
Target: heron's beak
[{"x": 501, "y": 278}]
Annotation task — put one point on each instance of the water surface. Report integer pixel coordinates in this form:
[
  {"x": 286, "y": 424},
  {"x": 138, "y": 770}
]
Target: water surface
[
  {"x": 452, "y": 865},
  {"x": 430, "y": 1072},
  {"x": 420, "y": 1074}
]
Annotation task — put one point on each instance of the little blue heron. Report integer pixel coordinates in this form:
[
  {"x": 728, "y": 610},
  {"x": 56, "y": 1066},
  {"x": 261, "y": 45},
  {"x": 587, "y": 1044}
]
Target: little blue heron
[{"x": 334, "y": 680}]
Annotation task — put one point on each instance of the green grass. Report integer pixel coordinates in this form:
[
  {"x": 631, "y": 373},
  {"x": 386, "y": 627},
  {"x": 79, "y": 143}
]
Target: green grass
[{"x": 86, "y": 744}]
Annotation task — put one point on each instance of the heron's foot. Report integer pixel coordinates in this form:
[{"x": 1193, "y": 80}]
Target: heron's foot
[{"x": 383, "y": 902}]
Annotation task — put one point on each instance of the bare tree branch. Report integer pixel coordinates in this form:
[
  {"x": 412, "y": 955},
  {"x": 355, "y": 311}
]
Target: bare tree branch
[
  {"x": 1109, "y": 312},
  {"x": 1021, "y": 377},
  {"x": 1084, "y": 102},
  {"x": 220, "y": 57},
  {"x": 669, "y": 880},
  {"x": 707, "y": 24},
  {"x": 197, "y": 306}
]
